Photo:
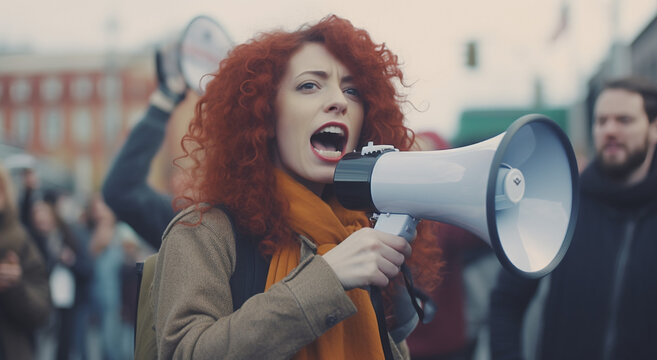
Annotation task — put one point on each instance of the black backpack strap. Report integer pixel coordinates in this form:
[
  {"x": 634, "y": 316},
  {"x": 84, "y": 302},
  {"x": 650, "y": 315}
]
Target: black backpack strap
[
  {"x": 251, "y": 268},
  {"x": 377, "y": 304},
  {"x": 140, "y": 272}
]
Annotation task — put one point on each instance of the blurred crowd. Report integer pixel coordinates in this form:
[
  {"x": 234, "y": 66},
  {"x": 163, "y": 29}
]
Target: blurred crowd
[{"x": 87, "y": 269}]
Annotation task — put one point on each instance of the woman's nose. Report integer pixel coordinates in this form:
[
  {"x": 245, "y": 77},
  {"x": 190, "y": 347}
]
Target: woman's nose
[{"x": 337, "y": 102}]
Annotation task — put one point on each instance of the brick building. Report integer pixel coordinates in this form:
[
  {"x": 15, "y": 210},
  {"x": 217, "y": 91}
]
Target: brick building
[{"x": 72, "y": 112}]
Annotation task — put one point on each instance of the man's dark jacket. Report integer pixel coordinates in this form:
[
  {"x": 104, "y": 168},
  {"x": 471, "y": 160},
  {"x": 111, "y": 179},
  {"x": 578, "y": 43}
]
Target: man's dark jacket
[{"x": 602, "y": 299}]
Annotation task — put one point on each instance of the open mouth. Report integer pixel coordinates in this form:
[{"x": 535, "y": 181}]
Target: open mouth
[{"x": 329, "y": 141}]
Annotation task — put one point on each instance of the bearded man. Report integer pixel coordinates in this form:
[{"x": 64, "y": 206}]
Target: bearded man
[{"x": 601, "y": 302}]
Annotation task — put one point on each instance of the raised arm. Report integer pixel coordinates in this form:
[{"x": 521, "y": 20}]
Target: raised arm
[{"x": 126, "y": 190}]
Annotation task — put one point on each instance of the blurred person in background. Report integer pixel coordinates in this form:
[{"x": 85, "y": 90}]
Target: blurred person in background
[
  {"x": 600, "y": 302},
  {"x": 134, "y": 201},
  {"x": 125, "y": 189},
  {"x": 24, "y": 290},
  {"x": 76, "y": 218},
  {"x": 31, "y": 192},
  {"x": 106, "y": 247},
  {"x": 65, "y": 258},
  {"x": 65, "y": 266},
  {"x": 445, "y": 337}
]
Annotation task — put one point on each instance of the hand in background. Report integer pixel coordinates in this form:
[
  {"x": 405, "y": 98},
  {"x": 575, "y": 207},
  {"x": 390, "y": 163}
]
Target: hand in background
[
  {"x": 11, "y": 272},
  {"x": 67, "y": 256},
  {"x": 170, "y": 81}
]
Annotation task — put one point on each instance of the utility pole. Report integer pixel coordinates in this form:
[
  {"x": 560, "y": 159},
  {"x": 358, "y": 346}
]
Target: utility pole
[{"x": 620, "y": 54}]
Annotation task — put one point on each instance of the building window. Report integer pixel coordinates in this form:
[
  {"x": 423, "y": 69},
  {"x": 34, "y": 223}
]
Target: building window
[
  {"x": 110, "y": 88},
  {"x": 21, "y": 90},
  {"x": 51, "y": 89},
  {"x": 112, "y": 121},
  {"x": 51, "y": 125},
  {"x": 82, "y": 126},
  {"x": 22, "y": 126},
  {"x": 82, "y": 88}
]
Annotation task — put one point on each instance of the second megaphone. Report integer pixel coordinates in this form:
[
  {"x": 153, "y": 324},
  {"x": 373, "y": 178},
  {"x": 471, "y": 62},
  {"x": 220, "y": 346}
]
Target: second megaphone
[
  {"x": 193, "y": 56},
  {"x": 516, "y": 191}
]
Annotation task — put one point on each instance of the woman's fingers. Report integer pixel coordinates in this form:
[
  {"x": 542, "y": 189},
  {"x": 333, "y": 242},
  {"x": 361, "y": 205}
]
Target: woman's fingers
[
  {"x": 388, "y": 268},
  {"x": 398, "y": 243},
  {"x": 368, "y": 257}
]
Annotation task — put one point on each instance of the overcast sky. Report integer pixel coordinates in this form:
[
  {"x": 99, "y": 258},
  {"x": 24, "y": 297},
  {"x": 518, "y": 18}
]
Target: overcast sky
[{"x": 429, "y": 36}]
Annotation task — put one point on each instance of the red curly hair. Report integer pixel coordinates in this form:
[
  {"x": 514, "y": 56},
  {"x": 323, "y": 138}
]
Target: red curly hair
[{"x": 231, "y": 138}]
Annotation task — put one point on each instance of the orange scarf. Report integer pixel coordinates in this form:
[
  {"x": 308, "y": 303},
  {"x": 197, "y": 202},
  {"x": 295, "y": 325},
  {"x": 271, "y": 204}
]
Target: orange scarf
[{"x": 326, "y": 224}]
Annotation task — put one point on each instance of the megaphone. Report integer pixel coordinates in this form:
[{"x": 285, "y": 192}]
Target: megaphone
[
  {"x": 517, "y": 191},
  {"x": 195, "y": 56}
]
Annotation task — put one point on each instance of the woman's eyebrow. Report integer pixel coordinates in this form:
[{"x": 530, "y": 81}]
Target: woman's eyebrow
[
  {"x": 348, "y": 78},
  {"x": 324, "y": 75},
  {"x": 320, "y": 73}
]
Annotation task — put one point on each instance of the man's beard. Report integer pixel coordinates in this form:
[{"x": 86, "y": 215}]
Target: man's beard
[{"x": 620, "y": 171}]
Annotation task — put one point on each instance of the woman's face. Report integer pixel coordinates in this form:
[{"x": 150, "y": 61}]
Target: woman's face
[
  {"x": 319, "y": 116},
  {"x": 43, "y": 217}
]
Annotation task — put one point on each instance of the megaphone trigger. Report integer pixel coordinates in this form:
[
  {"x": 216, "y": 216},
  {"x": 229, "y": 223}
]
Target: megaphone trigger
[{"x": 398, "y": 224}]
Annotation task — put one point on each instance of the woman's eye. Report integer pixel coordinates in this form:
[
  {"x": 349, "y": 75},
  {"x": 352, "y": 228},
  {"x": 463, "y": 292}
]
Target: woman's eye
[
  {"x": 352, "y": 92},
  {"x": 307, "y": 86}
]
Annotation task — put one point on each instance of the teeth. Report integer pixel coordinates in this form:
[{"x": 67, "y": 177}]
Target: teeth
[
  {"x": 329, "y": 154},
  {"x": 332, "y": 130}
]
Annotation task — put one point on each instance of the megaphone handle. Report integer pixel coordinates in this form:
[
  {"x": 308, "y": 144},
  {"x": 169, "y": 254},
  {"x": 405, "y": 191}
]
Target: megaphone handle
[
  {"x": 405, "y": 226},
  {"x": 398, "y": 224}
]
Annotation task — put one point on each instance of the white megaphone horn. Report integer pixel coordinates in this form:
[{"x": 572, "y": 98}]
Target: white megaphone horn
[
  {"x": 516, "y": 191},
  {"x": 193, "y": 57}
]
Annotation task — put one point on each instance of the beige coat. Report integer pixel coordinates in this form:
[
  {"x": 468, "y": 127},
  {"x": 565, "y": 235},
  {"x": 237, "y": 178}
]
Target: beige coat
[{"x": 193, "y": 307}]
